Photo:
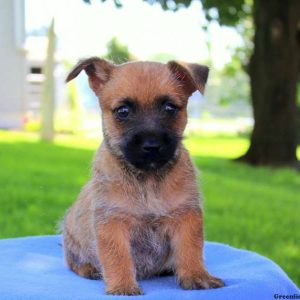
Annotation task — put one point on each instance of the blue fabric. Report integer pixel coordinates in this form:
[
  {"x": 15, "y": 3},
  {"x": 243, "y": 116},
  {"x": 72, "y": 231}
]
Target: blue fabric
[{"x": 33, "y": 268}]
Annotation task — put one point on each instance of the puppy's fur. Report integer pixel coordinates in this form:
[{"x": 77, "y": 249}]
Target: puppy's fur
[{"x": 140, "y": 213}]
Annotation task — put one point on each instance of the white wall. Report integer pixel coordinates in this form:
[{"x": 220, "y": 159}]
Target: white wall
[{"x": 12, "y": 63}]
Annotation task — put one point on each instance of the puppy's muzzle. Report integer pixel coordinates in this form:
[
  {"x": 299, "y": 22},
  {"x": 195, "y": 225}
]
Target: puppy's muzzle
[
  {"x": 150, "y": 149},
  {"x": 151, "y": 146}
]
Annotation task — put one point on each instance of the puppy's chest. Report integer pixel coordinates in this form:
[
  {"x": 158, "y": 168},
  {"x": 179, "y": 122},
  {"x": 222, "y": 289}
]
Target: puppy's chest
[
  {"x": 150, "y": 244},
  {"x": 147, "y": 233},
  {"x": 149, "y": 202},
  {"x": 153, "y": 200}
]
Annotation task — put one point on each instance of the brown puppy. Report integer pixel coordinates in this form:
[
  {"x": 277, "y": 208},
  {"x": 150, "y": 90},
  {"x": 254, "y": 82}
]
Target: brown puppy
[{"x": 140, "y": 214}]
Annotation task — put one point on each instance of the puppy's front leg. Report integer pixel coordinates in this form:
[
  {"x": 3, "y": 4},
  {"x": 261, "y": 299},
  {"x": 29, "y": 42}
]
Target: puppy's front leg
[
  {"x": 113, "y": 243},
  {"x": 187, "y": 244}
]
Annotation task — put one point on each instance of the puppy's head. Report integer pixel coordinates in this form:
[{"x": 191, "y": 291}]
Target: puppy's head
[{"x": 143, "y": 106}]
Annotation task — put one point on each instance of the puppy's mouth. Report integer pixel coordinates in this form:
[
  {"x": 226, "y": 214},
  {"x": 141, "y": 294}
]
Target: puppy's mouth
[
  {"x": 150, "y": 151},
  {"x": 147, "y": 163}
]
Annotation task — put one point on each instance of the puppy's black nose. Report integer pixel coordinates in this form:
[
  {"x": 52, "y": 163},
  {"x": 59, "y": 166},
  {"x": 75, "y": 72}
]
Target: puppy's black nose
[{"x": 151, "y": 145}]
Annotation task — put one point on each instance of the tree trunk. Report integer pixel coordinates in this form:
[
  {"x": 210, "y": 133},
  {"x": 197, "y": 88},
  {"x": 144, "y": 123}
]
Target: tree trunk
[
  {"x": 48, "y": 90},
  {"x": 274, "y": 70}
]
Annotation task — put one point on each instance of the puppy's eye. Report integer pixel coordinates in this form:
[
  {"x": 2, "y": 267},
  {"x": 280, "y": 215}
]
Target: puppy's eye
[
  {"x": 122, "y": 112},
  {"x": 170, "y": 108}
]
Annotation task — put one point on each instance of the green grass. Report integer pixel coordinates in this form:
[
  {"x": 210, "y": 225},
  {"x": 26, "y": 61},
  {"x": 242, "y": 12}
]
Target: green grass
[{"x": 252, "y": 208}]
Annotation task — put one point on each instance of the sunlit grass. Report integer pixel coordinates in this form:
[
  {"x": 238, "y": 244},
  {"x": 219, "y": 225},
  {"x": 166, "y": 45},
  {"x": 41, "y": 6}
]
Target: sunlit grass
[
  {"x": 65, "y": 140},
  {"x": 252, "y": 208},
  {"x": 214, "y": 146}
]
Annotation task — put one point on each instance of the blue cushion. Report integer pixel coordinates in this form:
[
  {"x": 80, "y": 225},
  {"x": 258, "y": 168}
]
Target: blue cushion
[{"x": 33, "y": 268}]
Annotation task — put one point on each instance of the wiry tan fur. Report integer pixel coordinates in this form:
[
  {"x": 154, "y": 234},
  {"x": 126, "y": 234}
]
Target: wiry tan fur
[{"x": 128, "y": 224}]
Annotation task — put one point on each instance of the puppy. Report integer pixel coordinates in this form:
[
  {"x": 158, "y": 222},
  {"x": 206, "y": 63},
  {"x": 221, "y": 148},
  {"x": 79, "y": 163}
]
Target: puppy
[{"x": 140, "y": 214}]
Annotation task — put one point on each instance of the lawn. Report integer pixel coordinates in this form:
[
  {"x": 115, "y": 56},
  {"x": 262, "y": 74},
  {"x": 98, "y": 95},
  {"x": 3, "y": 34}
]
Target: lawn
[{"x": 252, "y": 208}]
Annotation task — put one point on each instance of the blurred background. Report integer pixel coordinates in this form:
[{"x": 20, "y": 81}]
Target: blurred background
[{"x": 243, "y": 134}]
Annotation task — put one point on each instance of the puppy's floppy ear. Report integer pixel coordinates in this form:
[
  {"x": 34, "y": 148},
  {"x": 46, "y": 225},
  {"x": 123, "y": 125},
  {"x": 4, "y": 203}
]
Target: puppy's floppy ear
[
  {"x": 191, "y": 77},
  {"x": 97, "y": 69}
]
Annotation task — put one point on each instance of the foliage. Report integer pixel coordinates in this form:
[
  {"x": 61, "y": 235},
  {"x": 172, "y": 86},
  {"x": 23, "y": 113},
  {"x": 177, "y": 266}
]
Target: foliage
[
  {"x": 226, "y": 12},
  {"x": 45, "y": 180},
  {"x": 69, "y": 118},
  {"x": 228, "y": 85},
  {"x": 117, "y": 52},
  {"x": 236, "y": 13},
  {"x": 162, "y": 57}
]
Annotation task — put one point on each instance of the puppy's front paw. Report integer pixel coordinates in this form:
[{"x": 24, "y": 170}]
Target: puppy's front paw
[
  {"x": 201, "y": 281},
  {"x": 131, "y": 290}
]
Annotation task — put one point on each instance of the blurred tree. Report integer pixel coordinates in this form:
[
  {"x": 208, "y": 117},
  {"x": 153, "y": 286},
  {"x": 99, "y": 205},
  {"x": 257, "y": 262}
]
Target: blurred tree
[
  {"x": 273, "y": 70},
  {"x": 117, "y": 52},
  {"x": 298, "y": 111},
  {"x": 234, "y": 85},
  {"x": 74, "y": 119},
  {"x": 163, "y": 57},
  {"x": 48, "y": 90}
]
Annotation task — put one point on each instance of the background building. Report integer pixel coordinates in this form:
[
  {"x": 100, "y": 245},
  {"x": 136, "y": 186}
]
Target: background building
[{"x": 13, "y": 64}]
